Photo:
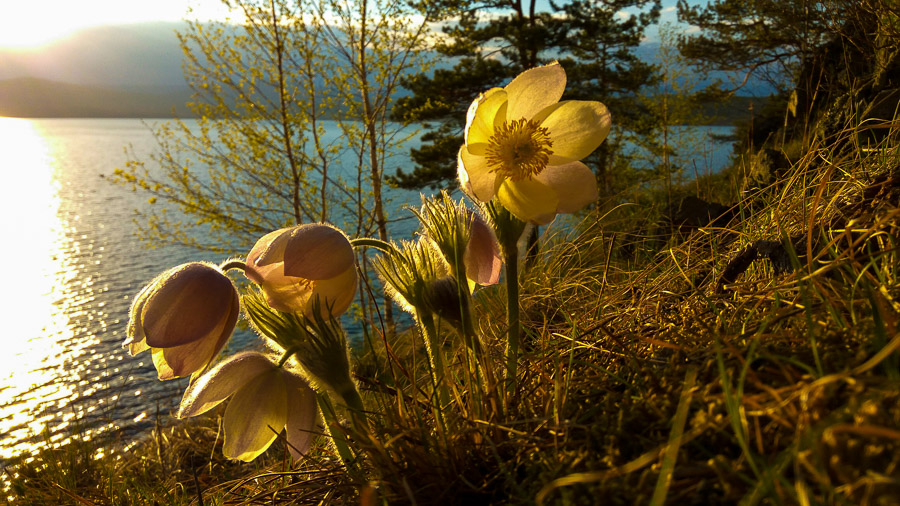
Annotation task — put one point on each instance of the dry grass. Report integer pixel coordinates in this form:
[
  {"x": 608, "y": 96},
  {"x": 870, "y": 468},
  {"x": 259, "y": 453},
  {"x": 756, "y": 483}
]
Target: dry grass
[{"x": 753, "y": 363}]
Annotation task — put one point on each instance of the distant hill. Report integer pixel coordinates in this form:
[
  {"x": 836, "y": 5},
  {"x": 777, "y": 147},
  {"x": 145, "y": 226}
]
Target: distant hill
[
  {"x": 39, "y": 98},
  {"x": 125, "y": 71}
]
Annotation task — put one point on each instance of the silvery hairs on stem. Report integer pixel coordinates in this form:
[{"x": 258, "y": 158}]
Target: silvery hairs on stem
[
  {"x": 409, "y": 271},
  {"x": 318, "y": 344}
]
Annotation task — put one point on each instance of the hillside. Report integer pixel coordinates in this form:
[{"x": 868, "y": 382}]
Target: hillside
[{"x": 39, "y": 98}]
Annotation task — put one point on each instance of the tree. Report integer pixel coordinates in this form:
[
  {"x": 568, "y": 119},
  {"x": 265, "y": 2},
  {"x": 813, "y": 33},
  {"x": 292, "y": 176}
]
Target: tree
[
  {"x": 258, "y": 157},
  {"x": 489, "y": 42},
  {"x": 245, "y": 168},
  {"x": 674, "y": 100},
  {"x": 813, "y": 50}
]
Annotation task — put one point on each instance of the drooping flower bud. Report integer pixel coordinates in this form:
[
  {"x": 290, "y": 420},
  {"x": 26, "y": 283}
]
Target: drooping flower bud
[
  {"x": 305, "y": 266},
  {"x": 482, "y": 255},
  {"x": 184, "y": 317},
  {"x": 465, "y": 240},
  {"x": 265, "y": 399}
]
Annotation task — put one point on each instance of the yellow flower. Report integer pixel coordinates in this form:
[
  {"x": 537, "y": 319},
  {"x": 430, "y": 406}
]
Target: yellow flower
[
  {"x": 299, "y": 265},
  {"x": 265, "y": 399},
  {"x": 523, "y": 146},
  {"x": 184, "y": 316}
]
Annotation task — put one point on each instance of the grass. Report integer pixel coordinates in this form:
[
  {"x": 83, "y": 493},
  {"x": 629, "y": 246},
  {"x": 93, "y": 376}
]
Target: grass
[{"x": 754, "y": 363}]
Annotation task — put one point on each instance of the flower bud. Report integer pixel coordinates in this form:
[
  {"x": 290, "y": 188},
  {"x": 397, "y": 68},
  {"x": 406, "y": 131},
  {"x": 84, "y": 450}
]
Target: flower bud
[
  {"x": 184, "y": 316},
  {"x": 303, "y": 267},
  {"x": 465, "y": 240},
  {"x": 482, "y": 256},
  {"x": 408, "y": 271},
  {"x": 442, "y": 297}
]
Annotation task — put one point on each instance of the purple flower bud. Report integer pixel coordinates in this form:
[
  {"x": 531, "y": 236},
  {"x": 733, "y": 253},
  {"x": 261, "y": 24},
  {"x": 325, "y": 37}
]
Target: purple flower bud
[
  {"x": 184, "y": 316},
  {"x": 295, "y": 266}
]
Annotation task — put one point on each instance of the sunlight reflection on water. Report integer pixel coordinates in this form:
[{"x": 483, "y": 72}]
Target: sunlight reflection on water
[
  {"x": 72, "y": 266},
  {"x": 63, "y": 306}
]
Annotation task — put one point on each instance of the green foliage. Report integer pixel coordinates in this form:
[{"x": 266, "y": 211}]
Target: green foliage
[
  {"x": 769, "y": 37},
  {"x": 260, "y": 158},
  {"x": 831, "y": 61}
]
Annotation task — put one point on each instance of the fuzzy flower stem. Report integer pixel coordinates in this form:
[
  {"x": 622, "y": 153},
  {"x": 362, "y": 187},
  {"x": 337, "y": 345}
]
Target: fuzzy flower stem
[
  {"x": 354, "y": 403},
  {"x": 374, "y": 243},
  {"x": 288, "y": 353},
  {"x": 341, "y": 444},
  {"x": 429, "y": 332},
  {"x": 511, "y": 253},
  {"x": 233, "y": 264},
  {"x": 467, "y": 328}
]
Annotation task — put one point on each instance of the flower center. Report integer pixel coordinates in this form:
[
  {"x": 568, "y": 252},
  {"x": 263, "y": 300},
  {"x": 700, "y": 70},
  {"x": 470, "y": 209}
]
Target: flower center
[{"x": 519, "y": 149}]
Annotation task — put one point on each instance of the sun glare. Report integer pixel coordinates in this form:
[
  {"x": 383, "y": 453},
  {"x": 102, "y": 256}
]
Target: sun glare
[
  {"x": 16, "y": 33},
  {"x": 31, "y": 25}
]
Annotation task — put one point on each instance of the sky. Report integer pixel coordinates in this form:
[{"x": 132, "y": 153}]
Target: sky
[
  {"x": 27, "y": 24},
  {"x": 30, "y": 24}
]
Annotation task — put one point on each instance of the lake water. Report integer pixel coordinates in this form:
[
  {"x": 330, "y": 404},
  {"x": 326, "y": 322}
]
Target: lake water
[{"x": 71, "y": 267}]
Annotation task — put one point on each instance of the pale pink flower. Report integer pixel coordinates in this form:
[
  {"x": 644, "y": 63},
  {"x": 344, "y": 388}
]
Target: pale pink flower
[
  {"x": 265, "y": 399},
  {"x": 482, "y": 256},
  {"x": 184, "y": 317},
  {"x": 300, "y": 265}
]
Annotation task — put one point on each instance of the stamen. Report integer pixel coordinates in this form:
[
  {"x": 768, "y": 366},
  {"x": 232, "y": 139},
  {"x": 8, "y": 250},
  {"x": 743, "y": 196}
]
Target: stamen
[{"x": 519, "y": 149}]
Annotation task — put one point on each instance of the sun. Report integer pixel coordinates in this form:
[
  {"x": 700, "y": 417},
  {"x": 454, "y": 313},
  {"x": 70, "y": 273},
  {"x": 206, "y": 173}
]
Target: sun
[
  {"x": 28, "y": 25},
  {"x": 23, "y": 28}
]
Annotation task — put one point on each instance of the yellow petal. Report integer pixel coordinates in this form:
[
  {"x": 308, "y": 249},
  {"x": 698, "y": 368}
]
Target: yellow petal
[
  {"x": 223, "y": 380},
  {"x": 529, "y": 200},
  {"x": 163, "y": 371},
  {"x": 255, "y": 416},
  {"x": 480, "y": 118},
  {"x": 136, "y": 347},
  {"x": 475, "y": 176},
  {"x": 577, "y": 127},
  {"x": 334, "y": 295},
  {"x": 533, "y": 90},
  {"x": 574, "y": 184}
]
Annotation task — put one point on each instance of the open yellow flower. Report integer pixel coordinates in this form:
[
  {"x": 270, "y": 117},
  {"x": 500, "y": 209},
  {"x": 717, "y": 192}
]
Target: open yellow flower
[
  {"x": 184, "y": 317},
  {"x": 300, "y": 265},
  {"x": 265, "y": 399},
  {"x": 523, "y": 146}
]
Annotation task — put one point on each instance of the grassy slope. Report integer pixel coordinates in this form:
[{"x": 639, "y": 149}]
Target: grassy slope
[{"x": 687, "y": 374}]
